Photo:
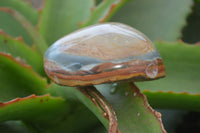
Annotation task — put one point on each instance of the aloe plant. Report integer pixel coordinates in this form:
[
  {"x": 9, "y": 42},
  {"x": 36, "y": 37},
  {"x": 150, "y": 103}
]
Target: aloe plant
[{"x": 30, "y": 102}]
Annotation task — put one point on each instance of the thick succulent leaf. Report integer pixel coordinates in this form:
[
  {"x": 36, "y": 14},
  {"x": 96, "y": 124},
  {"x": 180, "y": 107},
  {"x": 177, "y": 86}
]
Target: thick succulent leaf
[
  {"x": 40, "y": 44},
  {"x": 10, "y": 25},
  {"x": 49, "y": 114},
  {"x": 34, "y": 109},
  {"x": 156, "y": 18},
  {"x": 80, "y": 113},
  {"x": 18, "y": 79},
  {"x": 19, "y": 50},
  {"x": 76, "y": 94},
  {"x": 103, "y": 105},
  {"x": 181, "y": 83},
  {"x": 172, "y": 100},
  {"x": 61, "y": 17},
  {"x": 130, "y": 105},
  {"x": 103, "y": 12},
  {"x": 132, "y": 109}
]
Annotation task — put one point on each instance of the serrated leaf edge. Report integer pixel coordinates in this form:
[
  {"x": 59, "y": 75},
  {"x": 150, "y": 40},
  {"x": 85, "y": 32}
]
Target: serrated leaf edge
[
  {"x": 28, "y": 67},
  {"x": 3, "y": 104},
  {"x": 19, "y": 39},
  {"x": 155, "y": 113},
  {"x": 171, "y": 92}
]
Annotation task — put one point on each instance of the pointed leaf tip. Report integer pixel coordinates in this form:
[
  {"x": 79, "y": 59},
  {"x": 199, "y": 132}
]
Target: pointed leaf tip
[
  {"x": 132, "y": 108},
  {"x": 156, "y": 114}
]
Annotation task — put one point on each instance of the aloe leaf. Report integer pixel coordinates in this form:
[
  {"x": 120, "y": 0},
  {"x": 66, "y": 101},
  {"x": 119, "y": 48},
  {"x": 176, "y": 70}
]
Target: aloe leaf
[
  {"x": 78, "y": 116},
  {"x": 83, "y": 96},
  {"x": 18, "y": 79},
  {"x": 48, "y": 114},
  {"x": 173, "y": 100},
  {"x": 77, "y": 94},
  {"x": 102, "y": 104},
  {"x": 61, "y": 17},
  {"x": 14, "y": 28},
  {"x": 55, "y": 114},
  {"x": 103, "y": 11},
  {"x": 80, "y": 113},
  {"x": 18, "y": 49},
  {"x": 38, "y": 40},
  {"x": 156, "y": 18},
  {"x": 181, "y": 83},
  {"x": 133, "y": 112},
  {"x": 46, "y": 107}
]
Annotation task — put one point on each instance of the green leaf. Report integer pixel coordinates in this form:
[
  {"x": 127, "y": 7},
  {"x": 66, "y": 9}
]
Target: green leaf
[
  {"x": 103, "y": 12},
  {"x": 79, "y": 113},
  {"x": 102, "y": 105},
  {"x": 40, "y": 44},
  {"x": 173, "y": 100},
  {"x": 182, "y": 75},
  {"x": 132, "y": 109},
  {"x": 61, "y": 17},
  {"x": 79, "y": 116},
  {"x": 34, "y": 109},
  {"x": 156, "y": 18},
  {"x": 76, "y": 94},
  {"x": 10, "y": 25},
  {"x": 18, "y": 79},
  {"x": 18, "y": 49}
]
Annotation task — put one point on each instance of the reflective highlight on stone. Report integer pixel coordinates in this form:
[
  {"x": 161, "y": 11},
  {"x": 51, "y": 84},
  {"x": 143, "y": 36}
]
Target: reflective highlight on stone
[{"x": 102, "y": 53}]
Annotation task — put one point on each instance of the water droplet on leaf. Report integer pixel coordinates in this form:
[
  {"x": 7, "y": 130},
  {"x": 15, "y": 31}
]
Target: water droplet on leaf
[
  {"x": 113, "y": 88},
  {"x": 126, "y": 93},
  {"x": 138, "y": 114}
]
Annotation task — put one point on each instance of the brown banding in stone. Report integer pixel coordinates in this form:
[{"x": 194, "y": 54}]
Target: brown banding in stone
[{"x": 134, "y": 72}]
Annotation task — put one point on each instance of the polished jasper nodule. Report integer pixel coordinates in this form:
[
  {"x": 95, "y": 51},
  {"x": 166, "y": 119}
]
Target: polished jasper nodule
[{"x": 103, "y": 53}]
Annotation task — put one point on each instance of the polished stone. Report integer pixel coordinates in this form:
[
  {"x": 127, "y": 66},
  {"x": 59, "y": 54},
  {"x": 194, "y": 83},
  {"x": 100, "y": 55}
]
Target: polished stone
[{"x": 103, "y": 53}]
